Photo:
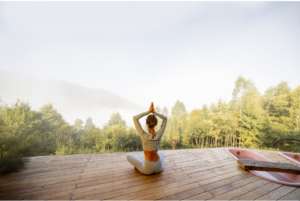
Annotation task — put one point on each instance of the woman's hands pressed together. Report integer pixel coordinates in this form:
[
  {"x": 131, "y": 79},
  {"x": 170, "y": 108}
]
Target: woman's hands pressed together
[{"x": 151, "y": 109}]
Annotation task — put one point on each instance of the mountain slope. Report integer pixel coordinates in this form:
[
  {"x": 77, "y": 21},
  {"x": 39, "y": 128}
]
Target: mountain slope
[{"x": 73, "y": 101}]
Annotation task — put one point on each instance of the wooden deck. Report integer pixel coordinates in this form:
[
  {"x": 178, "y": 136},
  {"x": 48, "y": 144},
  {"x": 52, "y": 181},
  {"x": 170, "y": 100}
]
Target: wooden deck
[{"x": 189, "y": 174}]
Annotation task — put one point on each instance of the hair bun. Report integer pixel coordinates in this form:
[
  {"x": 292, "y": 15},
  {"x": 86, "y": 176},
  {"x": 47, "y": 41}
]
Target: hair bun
[{"x": 151, "y": 121}]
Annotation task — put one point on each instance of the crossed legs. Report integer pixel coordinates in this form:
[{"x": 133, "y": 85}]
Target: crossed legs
[{"x": 147, "y": 167}]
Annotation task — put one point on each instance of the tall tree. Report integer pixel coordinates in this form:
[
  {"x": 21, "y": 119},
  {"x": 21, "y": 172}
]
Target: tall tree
[
  {"x": 78, "y": 124},
  {"x": 119, "y": 137},
  {"x": 173, "y": 132},
  {"x": 250, "y": 112},
  {"x": 20, "y": 134},
  {"x": 52, "y": 121},
  {"x": 115, "y": 119},
  {"x": 276, "y": 100},
  {"x": 178, "y": 109},
  {"x": 194, "y": 129},
  {"x": 277, "y": 103},
  {"x": 157, "y": 109},
  {"x": 134, "y": 141},
  {"x": 213, "y": 108},
  {"x": 295, "y": 107},
  {"x": 88, "y": 123},
  {"x": 52, "y": 116},
  {"x": 205, "y": 111},
  {"x": 165, "y": 111},
  {"x": 159, "y": 120},
  {"x": 22, "y": 119}
]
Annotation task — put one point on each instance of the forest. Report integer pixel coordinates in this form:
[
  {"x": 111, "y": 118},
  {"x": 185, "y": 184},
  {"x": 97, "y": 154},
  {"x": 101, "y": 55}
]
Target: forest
[{"x": 248, "y": 120}]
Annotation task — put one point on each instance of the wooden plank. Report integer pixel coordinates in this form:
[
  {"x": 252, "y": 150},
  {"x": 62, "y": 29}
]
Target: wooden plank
[
  {"x": 199, "y": 164},
  {"x": 184, "y": 171},
  {"x": 97, "y": 181},
  {"x": 180, "y": 189},
  {"x": 293, "y": 195},
  {"x": 51, "y": 169},
  {"x": 269, "y": 166},
  {"x": 161, "y": 194},
  {"x": 140, "y": 193},
  {"x": 217, "y": 178},
  {"x": 105, "y": 196},
  {"x": 153, "y": 196},
  {"x": 132, "y": 191},
  {"x": 51, "y": 196},
  {"x": 42, "y": 179},
  {"x": 68, "y": 197},
  {"x": 48, "y": 174},
  {"x": 45, "y": 185},
  {"x": 92, "y": 188},
  {"x": 210, "y": 167},
  {"x": 259, "y": 191},
  {"x": 232, "y": 186},
  {"x": 186, "y": 194},
  {"x": 138, "y": 183},
  {"x": 202, "y": 196},
  {"x": 277, "y": 193},
  {"x": 93, "y": 192},
  {"x": 179, "y": 184},
  {"x": 241, "y": 190},
  {"x": 143, "y": 190},
  {"x": 229, "y": 180},
  {"x": 21, "y": 174},
  {"x": 37, "y": 192}
]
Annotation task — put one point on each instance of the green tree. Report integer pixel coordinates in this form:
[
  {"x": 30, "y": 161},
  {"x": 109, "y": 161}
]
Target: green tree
[
  {"x": 119, "y": 137},
  {"x": 178, "y": 109},
  {"x": 134, "y": 141},
  {"x": 213, "y": 108},
  {"x": 19, "y": 135},
  {"x": 294, "y": 102},
  {"x": 115, "y": 119},
  {"x": 51, "y": 115},
  {"x": 78, "y": 124},
  {"x": 206, "y": 111},
  {"x": 157, "y": 109},
  {"x": 250, "y": 112},
  {"x": 52, "y": 122},
  {"x": 207, "y": 126},
  {"x": 90, "y": 141},
  {"x": 165, "y": 111},
  {"x": 173, "y": 131},
  {"x": 159, "y": 120},
  {"x": 88, "y": 124},
  {"x": 195, "y": 129},
  {"x": 280, "y": 120}
]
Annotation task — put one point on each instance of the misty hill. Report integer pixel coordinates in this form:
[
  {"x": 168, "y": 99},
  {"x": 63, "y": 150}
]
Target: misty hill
[{"x": 72, "y": 101}]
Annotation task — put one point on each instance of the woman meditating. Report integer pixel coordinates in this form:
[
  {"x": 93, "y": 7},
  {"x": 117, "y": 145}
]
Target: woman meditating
[{"x": 154, "y": 161}]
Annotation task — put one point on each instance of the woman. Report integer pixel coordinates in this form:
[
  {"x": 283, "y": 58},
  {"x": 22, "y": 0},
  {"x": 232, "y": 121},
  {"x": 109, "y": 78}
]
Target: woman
[{"x": 154, "y": 161}]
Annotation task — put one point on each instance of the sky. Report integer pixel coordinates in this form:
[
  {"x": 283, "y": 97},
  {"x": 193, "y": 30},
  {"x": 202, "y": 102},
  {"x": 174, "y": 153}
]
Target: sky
[{"x": 157, "y": 52}]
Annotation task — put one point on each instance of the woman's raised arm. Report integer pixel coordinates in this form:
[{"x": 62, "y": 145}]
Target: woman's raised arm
[
  {"x": 137, "y": 123},
  {"x": 163, "y": 124}
]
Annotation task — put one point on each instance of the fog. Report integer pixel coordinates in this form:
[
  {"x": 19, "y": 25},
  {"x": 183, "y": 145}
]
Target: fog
[
  {"x": 70, "y": 100},
  {"x": 139, "y": 52}
]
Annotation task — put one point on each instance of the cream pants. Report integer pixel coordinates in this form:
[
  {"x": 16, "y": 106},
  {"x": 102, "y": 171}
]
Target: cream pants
[{"x": 147, "y": 167}]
